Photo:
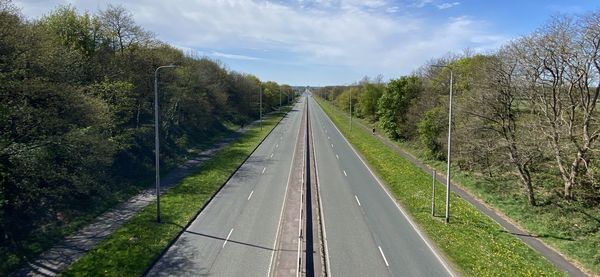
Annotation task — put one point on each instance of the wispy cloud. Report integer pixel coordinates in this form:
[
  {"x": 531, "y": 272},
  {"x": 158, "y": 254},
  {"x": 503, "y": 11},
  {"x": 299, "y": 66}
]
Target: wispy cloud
[
  {"x": 421, "y": 3},
  {"x": 370, "y": 36},
  {"x": 234, "y": 56},
  {"x": 447, "y": 5}
]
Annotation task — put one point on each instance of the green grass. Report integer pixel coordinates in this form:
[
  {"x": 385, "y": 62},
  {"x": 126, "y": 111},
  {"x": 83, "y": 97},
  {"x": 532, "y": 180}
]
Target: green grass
[
  {"x": 569, "y": 227},
  {"x": 133, "y": 247},
  {"x": 475, "y": 244}
]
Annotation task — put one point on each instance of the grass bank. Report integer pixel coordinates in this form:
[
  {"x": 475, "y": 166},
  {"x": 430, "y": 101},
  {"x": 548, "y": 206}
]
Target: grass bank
[
  {"x": 42, "y": 239},
  {"x": 134, "y": 246},
  {"x": 474, "y": 243}
]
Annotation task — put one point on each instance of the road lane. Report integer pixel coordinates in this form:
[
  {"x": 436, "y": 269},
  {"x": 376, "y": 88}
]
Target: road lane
[
  {"x": 364, "y": 225},
  {"x": 352, "y": 251},
  {"x": 234, "y": 235}
]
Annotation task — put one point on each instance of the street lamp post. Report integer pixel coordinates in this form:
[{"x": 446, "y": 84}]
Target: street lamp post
[
  {"x": 260, "y": 107},
  {"x": 350, "y": 110},
  {"x": 447, "y": 219},
  {"x": 156, "y": 140}
]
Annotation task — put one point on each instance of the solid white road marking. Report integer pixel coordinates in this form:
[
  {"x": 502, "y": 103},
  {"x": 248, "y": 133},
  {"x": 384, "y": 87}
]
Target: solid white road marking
[
  {"x": 383, "y": 255},
  {"x": 249, "y": 196},
  {"x": 357, "y": 201},
  {"x": 227, "y": 238},
  {"x": 345, "y": 173},
  {"x": 337, "y": 157},
  {"x": 263, "y": 172}
]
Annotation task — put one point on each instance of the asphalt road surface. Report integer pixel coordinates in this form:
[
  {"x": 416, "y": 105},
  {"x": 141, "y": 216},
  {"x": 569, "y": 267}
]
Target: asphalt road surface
[
  {"x": 235, "y": 234},
  {"x": 366, "y": 232}
]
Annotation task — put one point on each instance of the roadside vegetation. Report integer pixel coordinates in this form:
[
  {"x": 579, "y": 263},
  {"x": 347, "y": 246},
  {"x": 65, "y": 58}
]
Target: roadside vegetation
[
  {"x": 472, "y": 241},
  {"x": 133, "y": 247},
  {"x": 525, "y": 127},
  {"x": 76, "y": 118}
]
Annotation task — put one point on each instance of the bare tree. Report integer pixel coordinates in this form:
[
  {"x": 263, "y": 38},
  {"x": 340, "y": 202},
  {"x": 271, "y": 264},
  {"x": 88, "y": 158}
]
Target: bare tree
[
  {"x": 561, "y": 66},
  {"x": 496, "y": 119},
  {"x": 120, "y": 28}
]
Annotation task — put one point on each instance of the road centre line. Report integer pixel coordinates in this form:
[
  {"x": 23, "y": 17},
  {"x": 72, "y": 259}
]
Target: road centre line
[
  {"x": 250, "y": 196},
  {"x": 332, "y": 145},
  {"x": 357, "y": 201},
  {"x": 227, "y": 238},
  {"x": 263, "y": 172},
  {"x": 383, "y": 255},
  {"x": 271, "y": 155},
  {"x": 337, "y": 157},
  {"x": 345, "y": 173}
]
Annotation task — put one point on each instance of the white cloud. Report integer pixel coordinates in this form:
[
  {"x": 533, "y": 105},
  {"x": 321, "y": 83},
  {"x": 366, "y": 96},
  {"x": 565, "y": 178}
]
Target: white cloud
[
  {"x": 363, "y": 36},
  {"x": 233, "y": 56},
  {"x": 447, "y": 5},
  {"x": 421, "y": 3}
]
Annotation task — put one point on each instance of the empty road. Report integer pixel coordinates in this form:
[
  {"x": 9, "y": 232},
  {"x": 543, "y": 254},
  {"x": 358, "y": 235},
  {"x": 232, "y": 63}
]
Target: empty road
[
  {"x": 367, "y": 233},
  {"x": 235, "y": 234}
]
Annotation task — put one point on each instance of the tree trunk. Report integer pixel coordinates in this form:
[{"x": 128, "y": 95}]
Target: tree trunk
[
  {"x": 525, "y": 177},
  {"x": 137, "y": 117}
]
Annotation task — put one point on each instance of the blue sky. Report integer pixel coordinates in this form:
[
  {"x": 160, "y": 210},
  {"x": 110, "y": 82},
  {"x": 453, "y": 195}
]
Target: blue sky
[{"x": 327, "y": 42}]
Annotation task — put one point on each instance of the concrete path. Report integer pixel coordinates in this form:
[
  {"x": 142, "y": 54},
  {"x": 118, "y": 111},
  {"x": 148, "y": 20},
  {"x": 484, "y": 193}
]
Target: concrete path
[{"x": 63, "y": 254}]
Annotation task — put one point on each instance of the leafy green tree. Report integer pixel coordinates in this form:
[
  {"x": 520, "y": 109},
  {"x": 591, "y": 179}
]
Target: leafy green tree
[
  {"x": 430, "y": 128},
  {"x": 394, "y": 103},
  {"x": 368, "y": 99}
]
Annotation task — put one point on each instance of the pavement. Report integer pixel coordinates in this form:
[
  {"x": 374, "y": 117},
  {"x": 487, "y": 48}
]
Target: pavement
[
  {"x": 366, "y": 232},
  {"x": 236, "y": 233}
]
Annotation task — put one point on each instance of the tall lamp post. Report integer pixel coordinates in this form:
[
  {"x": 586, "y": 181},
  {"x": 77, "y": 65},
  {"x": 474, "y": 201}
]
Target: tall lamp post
[
  {"x": 447, "y": 219},
  {"x": 156, "y": 140},
  {"x": 350, "y": 110},
  {"x": 260, "y": 107}
]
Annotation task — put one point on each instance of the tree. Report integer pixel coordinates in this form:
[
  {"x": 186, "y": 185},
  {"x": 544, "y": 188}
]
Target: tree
[
  {"x": 394, "y": 103},
  {"x": 494, "y": 119},
  {"x": 120, "y": 28},
  {"x": 368, "y": 99},
  {"x": 560, "y": 65}
]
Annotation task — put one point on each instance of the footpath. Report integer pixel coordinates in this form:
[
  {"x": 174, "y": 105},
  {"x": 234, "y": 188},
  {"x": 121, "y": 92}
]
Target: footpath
[
  {"x": 552, "y": 255},
  {"x": 63, "y": 254}
]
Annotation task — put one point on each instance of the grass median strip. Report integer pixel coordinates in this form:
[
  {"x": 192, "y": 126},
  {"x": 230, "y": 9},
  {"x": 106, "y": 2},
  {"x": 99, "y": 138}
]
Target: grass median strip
[
  {"x": 134, "y": 246},
  {"x": 472, "y": 241}
]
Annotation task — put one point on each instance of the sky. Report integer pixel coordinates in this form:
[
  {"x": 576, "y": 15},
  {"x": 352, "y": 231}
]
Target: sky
[{"x": 330, "y": 42}]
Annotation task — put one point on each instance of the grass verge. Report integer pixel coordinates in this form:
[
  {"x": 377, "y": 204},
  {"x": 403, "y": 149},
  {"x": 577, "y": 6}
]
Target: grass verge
[
  {"x": 134, "y": 246},
  {"x": 474, "y": 243}
]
